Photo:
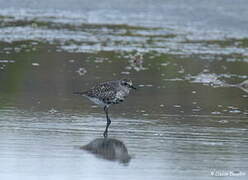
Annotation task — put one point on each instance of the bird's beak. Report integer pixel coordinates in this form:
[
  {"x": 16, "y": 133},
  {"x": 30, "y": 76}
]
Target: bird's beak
[{"x": 133, "y": 87}]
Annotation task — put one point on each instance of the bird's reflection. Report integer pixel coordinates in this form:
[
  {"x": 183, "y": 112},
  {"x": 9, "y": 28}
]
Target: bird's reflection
[{"x": 108, "y": 148}]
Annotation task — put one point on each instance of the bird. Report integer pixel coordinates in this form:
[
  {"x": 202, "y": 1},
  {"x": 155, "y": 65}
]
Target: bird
[{"x": 107, "y": 93}]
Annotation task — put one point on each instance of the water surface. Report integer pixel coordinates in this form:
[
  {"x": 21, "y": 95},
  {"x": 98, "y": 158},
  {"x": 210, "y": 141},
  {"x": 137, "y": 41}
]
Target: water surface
[{"x": 187, "y": 119}]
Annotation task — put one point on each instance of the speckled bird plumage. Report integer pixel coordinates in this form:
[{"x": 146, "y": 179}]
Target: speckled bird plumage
[{"x": 107, "y": 93}]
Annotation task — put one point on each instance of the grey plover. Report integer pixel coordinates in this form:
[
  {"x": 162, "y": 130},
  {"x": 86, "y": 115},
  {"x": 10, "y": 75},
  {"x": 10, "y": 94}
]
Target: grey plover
[{"x": 108, "y": 93}]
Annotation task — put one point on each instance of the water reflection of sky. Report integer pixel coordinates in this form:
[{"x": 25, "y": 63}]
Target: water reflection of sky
[
  {"x": 189, "y": 62},
  {"x": 170, "y": 147}
]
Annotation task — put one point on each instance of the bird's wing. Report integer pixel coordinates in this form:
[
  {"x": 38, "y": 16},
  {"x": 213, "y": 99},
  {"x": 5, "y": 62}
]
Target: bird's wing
[{"x": 105, "y": 91}]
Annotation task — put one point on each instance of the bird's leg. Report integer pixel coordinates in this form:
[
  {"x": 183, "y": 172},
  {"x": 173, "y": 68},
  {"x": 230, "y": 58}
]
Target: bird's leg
[{"x": 105, "y": 134}]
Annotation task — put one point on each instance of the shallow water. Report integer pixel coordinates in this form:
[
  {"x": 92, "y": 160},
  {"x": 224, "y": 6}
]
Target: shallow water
[{"x": 187, "y": 119}]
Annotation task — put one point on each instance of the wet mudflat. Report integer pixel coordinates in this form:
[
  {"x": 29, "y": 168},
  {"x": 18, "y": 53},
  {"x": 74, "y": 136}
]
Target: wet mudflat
[{"x": 187, "y": 120}]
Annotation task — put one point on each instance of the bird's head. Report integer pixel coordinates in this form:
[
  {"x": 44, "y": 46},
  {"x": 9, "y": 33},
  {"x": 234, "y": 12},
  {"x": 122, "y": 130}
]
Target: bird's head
[{"x": 127, "y": 83}]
